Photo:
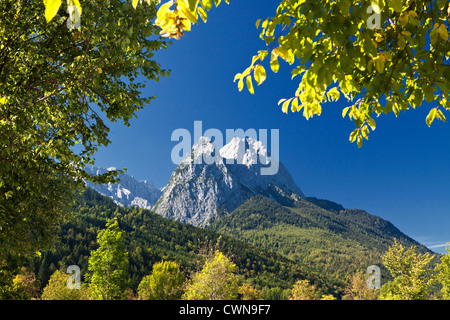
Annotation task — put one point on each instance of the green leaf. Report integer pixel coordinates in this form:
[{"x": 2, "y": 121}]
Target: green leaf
[
  {"x": 192, "y": 4},
  {"x": 371, "y": 122},
  {"x": 397, "y": 5},
  {"x": 344, "y": 6},
  {"x": 207, "y": 4},
  {"x": 443, "y": 33},
  {"x": 434, "y": 34},
  {"x": 379, "y": 64},
  {"x": 51, "y": 8}
]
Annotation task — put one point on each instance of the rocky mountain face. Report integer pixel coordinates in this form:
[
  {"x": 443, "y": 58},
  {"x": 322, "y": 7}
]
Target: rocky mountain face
[
  {"x": 209, "y": 183},
  {"x": 129, "y": 191}
]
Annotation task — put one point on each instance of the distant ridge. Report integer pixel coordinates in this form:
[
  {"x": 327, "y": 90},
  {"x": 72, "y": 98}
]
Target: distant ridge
[{"x": 128, "y": 192}]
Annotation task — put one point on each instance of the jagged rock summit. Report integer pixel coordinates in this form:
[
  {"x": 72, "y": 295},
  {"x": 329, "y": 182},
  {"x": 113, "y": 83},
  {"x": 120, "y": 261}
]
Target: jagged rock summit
[
  {"x": 128, "y": 192},
  {"x": 208, "y": 184}
]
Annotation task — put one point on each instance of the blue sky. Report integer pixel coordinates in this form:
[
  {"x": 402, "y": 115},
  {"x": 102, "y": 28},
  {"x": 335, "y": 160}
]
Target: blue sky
[{"x": 401, "y": 174}]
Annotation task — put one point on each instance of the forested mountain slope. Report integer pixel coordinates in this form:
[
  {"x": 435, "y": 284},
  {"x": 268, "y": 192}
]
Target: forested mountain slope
[
  {"x": 337, "y": 242},
  {"x": 151, "y": 238}
]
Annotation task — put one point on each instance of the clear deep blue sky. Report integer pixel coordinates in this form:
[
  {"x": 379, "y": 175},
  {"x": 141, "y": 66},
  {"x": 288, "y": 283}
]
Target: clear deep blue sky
[{"x": 401, "y": 174}]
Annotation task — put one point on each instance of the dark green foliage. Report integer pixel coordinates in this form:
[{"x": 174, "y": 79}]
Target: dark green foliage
[
  {"x": 57, "y": 89},
  {"x": 326, "y": 204}
]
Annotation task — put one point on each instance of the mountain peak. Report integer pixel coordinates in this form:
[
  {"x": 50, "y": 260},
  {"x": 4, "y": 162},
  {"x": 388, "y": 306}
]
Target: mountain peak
[
  {"x": 200, "y": 150},
  {"x": 200, "y": 190},
  {"x": 246, "y": 151}
]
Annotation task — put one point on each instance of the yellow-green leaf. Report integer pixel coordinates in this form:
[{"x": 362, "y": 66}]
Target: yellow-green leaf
[
  {"x": 431, "y": 116},
  {"x": 281, "y": 101},
  {"x": 441, "y": 115},
  {"x": 285, "y": 106},
  {"x": 241, "y": 84},
  {"x": 51, "y": 8},
  {"x": 248, "y": 80},
  {"x": 353, "y": 135},
  {"x": 294, "y": 105},
  {"x": 360, "y": 141},
  {"x": 202, "y": 14},
  {"x": 187, "y": 12},
  {"x": 344, "y": 112},
  {"x": 333, "y": 95},
  {"x": 259, "y": 74},
  {"x": 207, "y": 4},
  {"x": 365, "y": 132},
  {"x": 77, "y": 4},
  {"x": 274, "y": 64}
]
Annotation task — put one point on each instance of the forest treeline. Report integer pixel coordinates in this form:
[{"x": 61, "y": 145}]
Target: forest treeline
[{"x": 155, "y": 258}]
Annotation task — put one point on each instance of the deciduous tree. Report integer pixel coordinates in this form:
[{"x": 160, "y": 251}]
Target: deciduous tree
[
  {"x": 303, "y": 290},
  {"x": 57, "y": 289},
  {"x": 357, "y": 289},
  {"x": 164, "y": 283},
  {"x": 411, "y": 272},
  {"x": 216, "y": 281},
  {"x": 444, "y": 275},
  {"x": 108, "y": 265}
]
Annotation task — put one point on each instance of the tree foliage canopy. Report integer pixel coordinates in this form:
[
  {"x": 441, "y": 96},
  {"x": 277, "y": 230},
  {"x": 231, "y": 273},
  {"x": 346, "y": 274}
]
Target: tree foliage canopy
[
  {"x": 216, "y": 281},
  {"x": 411, "y": 272},
  {"x": 165, "y": 282},
  {"x": 383, "y": 56},
  {"x": 59, "y": 84}
]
